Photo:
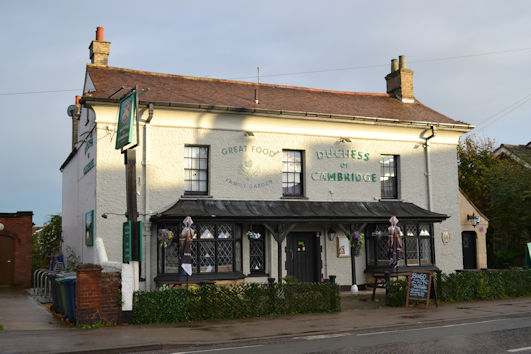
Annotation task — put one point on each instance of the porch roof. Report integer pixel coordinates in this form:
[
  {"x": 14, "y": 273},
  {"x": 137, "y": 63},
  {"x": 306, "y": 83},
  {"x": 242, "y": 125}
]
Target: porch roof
[{"x": 294, "y": 211}]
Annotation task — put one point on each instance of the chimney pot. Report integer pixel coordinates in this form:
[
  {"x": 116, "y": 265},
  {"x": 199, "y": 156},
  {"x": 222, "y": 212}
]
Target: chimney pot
[
  {"x": 99, "y": 33},
  {"x": 402, "y": 62},
  {"x": 99, "y": 49},
  {"x": 394, "y": 65},
  {"x": 400, "y": 81}
]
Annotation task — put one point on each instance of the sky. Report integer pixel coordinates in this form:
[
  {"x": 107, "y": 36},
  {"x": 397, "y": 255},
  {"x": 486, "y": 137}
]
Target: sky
[{"x": 471, "y": 62}]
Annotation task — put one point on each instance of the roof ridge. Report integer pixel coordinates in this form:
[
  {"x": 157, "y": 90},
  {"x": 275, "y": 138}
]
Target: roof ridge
[{"x": 248, "y": 83}]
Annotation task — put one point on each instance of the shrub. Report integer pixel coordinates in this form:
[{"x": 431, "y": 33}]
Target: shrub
[
  {"x": 231, "y": 302},
  {"x": 470, "y": 286}
]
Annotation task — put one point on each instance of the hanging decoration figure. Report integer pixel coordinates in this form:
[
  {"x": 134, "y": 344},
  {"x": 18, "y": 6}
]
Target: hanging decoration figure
[
  {"x": 394, "y": 243},
  {"x": 185, "y": 246}
]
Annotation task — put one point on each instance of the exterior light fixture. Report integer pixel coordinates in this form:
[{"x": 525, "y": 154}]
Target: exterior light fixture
[
  {"x": 1, "y": 227},
  {"x": 344, "y": 140},
  {"x": 475, "y": 219},
  {"x": 331, "y": 234},
  {"x": 106, "y": 215},
  {"x": 248, "y": 134}
]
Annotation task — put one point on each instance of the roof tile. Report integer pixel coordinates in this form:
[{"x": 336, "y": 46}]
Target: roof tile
[{"x": 194, "y": 90}]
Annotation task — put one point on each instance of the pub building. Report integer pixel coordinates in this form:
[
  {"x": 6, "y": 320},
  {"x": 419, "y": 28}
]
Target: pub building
[{"x": 275, "y": 178}]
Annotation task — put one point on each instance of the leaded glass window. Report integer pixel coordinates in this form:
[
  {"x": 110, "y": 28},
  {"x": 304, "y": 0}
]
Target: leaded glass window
[
  {"x": 257, "y": 251},
  {"x": 213, "y": 250},
  {"x": 417, "y": 245}
]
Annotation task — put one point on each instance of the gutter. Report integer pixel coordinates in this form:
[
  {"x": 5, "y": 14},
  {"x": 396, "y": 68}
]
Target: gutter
[
  {"x": 146, "y": 221},
  {"x": 289, "y": 114},
  {"x": 428, "y": 167}
]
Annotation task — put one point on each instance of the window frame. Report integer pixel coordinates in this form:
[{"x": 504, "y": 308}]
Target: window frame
[
  {"x": 384, "y": 184},
  {"x": 196, "y": 268},
  {"x": 373, "y": 259},
  {"x": 293, "y": 173},
  {"x": 261, "y": 241},
  {"x": 188, "y": 170}
]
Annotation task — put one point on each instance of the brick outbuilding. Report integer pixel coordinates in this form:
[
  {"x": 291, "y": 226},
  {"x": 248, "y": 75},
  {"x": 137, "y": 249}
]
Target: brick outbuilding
[{"x": 15, "y": 248}]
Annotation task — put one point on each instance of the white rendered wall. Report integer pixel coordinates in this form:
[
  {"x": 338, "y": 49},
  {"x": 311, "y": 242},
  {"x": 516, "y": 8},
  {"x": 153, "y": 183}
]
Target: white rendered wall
[
  {"x": 79, "y": 190},
  {"x": 253, "y": 170}
]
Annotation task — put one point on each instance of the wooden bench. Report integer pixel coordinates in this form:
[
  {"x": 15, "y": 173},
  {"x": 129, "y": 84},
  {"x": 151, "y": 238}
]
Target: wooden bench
[{"x": 381, "y": 279}]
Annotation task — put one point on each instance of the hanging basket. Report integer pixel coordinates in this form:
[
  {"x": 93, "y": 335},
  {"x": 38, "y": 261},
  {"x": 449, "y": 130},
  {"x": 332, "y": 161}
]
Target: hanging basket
[{"x": 357, "y": 251}]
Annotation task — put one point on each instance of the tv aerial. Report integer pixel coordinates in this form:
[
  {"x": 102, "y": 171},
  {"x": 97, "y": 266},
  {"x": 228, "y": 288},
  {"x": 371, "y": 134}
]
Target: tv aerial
[{"x": 72, "y": 110}]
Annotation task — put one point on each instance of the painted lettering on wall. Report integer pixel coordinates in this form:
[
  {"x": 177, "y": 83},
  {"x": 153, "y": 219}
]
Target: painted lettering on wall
[
  {"x": 344, "y": 176},
  {"x": 342, "y": 154},
  {"x": 248, "y": 185},
  {"x": 250, "y": 171},
  {"x": 349, "y": 158},
  {"x": 257, "y": 149}
]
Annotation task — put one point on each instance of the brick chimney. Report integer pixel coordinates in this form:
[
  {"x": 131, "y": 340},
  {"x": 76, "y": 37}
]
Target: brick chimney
[
  {"x": 400, "y": 81},
  {"x": 99, "y": 49}
]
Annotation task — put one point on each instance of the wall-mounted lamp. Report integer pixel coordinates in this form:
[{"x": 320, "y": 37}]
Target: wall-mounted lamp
[
  {"x": 331, "y": 234},
  {"x": 1, "y": 227},
  {"x": 475, "y": 219},
  {"x": 248, "y": 134},
  {"x": 344, "y": 140},
  {"x": 106, "y": 215}
]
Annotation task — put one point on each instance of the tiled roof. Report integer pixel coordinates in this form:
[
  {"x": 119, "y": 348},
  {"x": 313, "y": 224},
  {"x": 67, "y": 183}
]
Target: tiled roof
[
  {"x": 300, "y": 210},
  {"x": 193, "y": 90},
  {"x": 521, "y": 153}
]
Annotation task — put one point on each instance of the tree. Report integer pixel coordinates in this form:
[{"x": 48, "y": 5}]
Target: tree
[
  {"x": 500, "y": 188},
  {"x": 49, "y": 239}
]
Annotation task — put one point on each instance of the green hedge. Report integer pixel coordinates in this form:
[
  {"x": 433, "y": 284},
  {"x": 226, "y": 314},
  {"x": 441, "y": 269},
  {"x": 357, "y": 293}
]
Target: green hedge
[
  {"x": 236, "y": 301},
  {"x": 468, "y": 286}
]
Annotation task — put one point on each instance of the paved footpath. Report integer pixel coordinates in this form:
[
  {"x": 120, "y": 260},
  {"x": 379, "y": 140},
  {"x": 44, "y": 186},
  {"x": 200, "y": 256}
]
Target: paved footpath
[{"x": 35, "y": 330}]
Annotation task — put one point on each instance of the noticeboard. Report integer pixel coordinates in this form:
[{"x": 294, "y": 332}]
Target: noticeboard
[{"x": 421, "y": 286}]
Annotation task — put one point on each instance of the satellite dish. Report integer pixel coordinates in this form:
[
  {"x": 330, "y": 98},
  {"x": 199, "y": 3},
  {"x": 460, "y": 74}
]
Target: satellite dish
[{"x": 72, "y": 110}]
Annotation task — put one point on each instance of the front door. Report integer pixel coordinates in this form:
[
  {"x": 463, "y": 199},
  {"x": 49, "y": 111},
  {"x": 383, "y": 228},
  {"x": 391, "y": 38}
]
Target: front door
[
  {"x": 302, "y": 254},
  {"x": 6, "y": 260},
  {"x": 469, "y": 249}
]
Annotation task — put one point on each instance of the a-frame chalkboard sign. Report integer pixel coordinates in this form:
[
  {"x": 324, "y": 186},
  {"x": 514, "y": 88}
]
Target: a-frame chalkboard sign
[{"x": 421, "y": 286}]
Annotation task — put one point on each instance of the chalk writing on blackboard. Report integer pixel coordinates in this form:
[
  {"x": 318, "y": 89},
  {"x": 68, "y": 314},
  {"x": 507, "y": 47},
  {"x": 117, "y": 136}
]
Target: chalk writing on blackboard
[
  {"x": 420, "y": 283},
  {"x": 421, "y": 286}
]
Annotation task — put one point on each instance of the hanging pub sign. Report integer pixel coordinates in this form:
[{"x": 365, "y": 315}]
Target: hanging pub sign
[{"x": 126, "y": 120}]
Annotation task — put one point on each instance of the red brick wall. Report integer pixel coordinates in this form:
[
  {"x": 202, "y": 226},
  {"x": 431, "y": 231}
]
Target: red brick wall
[
  {"x": 18, "y": 226},
  {"x": 98, "y": 295},
  {"x": 88, "y": 294},
  {"x": 111, "y": 297}
]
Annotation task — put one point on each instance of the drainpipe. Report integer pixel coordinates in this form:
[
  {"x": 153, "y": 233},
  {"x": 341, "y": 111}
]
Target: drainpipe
[
  {"x": 147, "y": 244},
  {"x": 428, "y": 169}
]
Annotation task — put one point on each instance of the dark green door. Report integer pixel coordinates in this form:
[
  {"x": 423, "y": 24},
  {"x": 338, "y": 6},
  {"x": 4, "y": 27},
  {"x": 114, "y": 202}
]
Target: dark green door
[{"x": 302, "y": 254}]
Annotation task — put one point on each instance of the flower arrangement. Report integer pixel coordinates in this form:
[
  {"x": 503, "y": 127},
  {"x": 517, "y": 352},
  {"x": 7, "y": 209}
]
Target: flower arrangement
[
  {"x": 253, "y": 235},
  {"x": 165, "y": 237},
  {"x": 357, "y": 241}
]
